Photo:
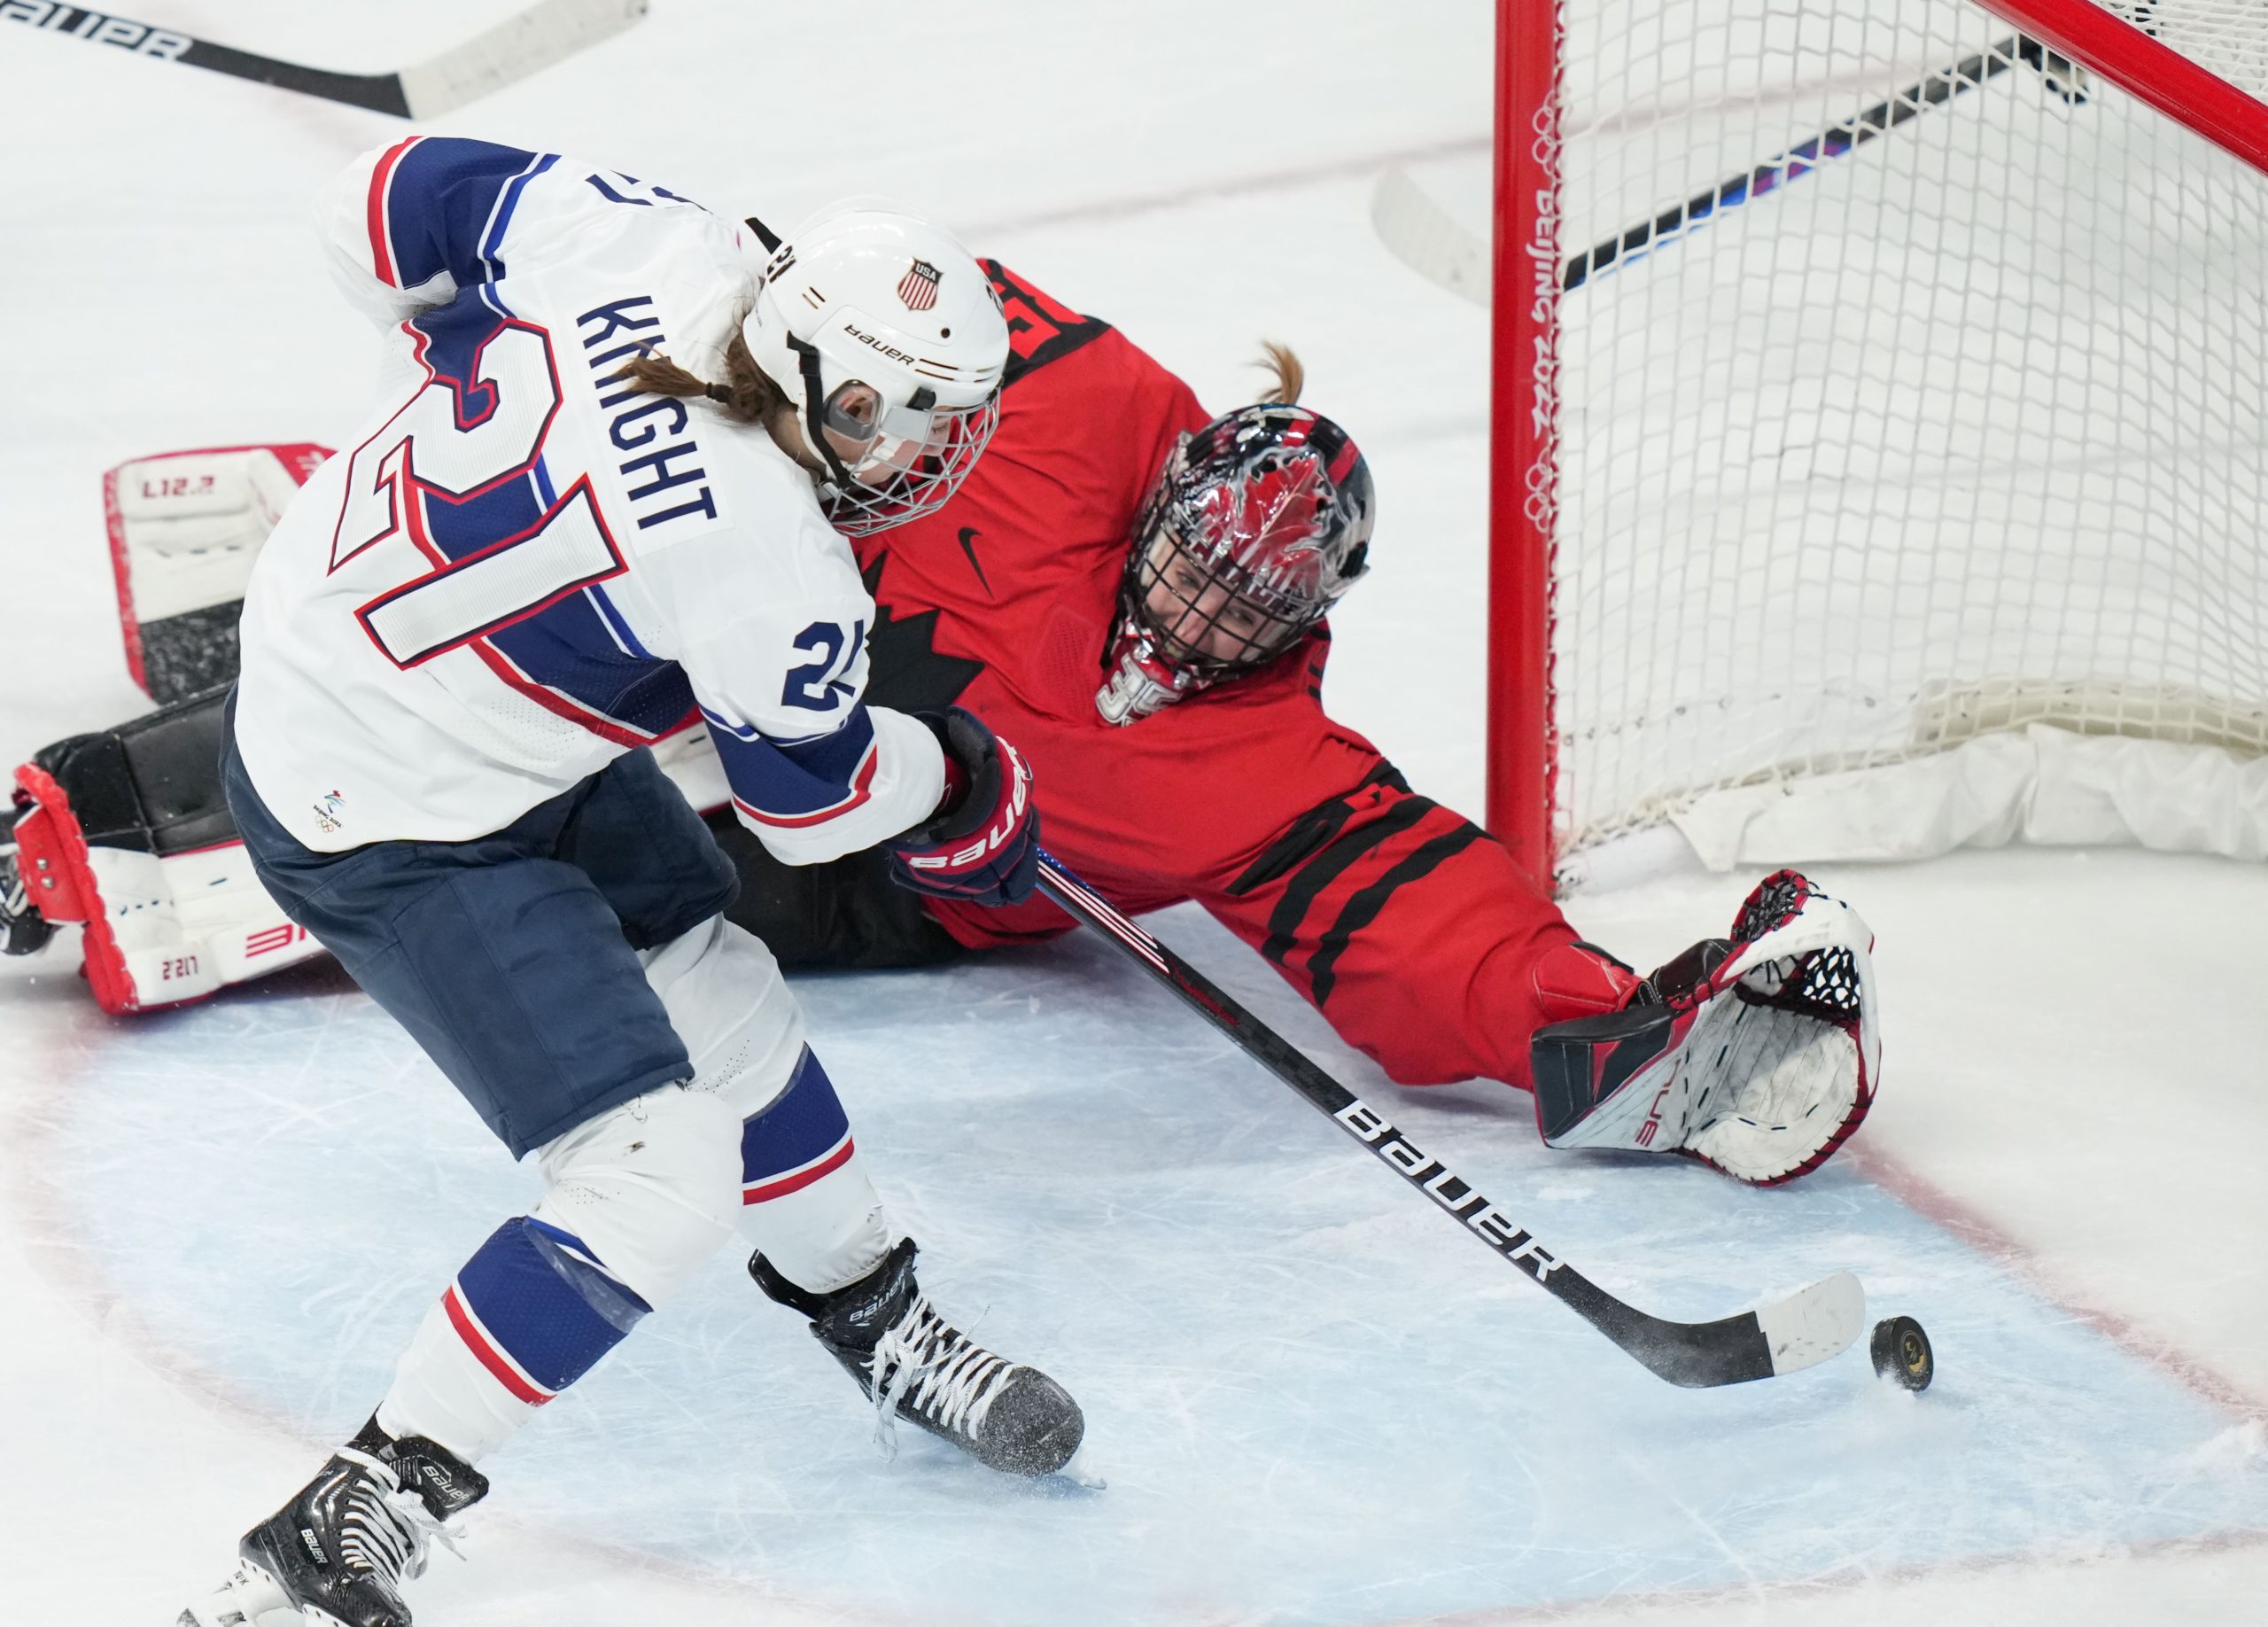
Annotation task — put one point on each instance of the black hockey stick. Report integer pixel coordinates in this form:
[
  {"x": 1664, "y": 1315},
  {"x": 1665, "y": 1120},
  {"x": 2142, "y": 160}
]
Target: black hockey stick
[
  {"x": 1785, "y": 1336},
  {"x": 529, "y": 40},
  {"x": 1426, "y": 239},
  {"x": 1832, "y": 143}
]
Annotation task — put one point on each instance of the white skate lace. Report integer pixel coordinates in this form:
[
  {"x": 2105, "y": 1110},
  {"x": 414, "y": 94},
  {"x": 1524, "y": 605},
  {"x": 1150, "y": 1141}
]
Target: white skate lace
[
  {"x": 385, "y": 1530},
  {"x": 946, "y": 1375}
]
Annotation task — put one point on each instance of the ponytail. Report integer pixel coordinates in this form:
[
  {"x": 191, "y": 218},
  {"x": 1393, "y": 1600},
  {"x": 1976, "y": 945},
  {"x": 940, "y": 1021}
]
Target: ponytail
[
  {"x": 747, "y": 395},
  {"x": 1291, "y": 376}
]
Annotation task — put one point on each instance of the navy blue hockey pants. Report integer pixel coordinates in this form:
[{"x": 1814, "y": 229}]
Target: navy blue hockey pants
[{"x": 511, "y": 958}]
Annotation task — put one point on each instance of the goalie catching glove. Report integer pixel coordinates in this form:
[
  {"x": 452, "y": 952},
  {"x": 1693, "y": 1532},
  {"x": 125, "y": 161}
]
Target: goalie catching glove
[
  {"x": 982, "y": 843},
  {"x": 1756, "y": 1054}
]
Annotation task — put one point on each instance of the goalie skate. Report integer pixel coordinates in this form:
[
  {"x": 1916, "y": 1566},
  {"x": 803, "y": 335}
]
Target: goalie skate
[{"x": 1755, "y": 1053}]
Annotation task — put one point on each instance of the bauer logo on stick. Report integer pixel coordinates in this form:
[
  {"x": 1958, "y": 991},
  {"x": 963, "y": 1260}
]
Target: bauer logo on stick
[{"x": 919, "y": 287}]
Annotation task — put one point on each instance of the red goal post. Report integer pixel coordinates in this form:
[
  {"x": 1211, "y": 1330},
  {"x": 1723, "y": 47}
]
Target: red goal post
[{"x": 1984, "y": 137}]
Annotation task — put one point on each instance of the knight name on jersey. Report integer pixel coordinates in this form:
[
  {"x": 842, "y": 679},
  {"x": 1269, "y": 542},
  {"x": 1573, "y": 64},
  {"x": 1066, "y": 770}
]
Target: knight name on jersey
[
  {"x": 663, "y": 478},
  {"x": 98, "y": 27},
  {"x": 1430, "y": 1176}
]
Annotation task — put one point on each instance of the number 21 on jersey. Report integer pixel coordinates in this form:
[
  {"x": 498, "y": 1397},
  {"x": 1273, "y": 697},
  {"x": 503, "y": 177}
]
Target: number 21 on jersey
[{"x": 441, "y": 474}]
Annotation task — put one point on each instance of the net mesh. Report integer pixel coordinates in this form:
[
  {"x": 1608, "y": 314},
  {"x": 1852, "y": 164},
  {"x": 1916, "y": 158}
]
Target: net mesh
[
  {"x": 2229, "y": 38},
  {"x": 1948, "y": 419}
]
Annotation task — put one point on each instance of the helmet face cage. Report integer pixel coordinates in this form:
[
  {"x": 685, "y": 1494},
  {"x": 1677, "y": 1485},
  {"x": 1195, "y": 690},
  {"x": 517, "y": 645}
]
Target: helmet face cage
[
  {"x": 885, "y": 463},
  {"x": 890, "y": 340},
  {"x": 1194, "y": 622},
  {"x": 1257, "y": 525}
]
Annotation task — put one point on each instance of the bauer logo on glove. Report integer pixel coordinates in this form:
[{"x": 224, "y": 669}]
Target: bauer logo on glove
[
  {"x": 1004, "y": 831},
  {"x": 983, "y": 843}
]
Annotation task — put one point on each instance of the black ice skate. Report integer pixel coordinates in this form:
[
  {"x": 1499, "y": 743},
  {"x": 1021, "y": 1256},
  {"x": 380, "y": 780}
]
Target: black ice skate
[
  {"x": 883, "y": 1331},
  {"x": 339, "y": 1552}
]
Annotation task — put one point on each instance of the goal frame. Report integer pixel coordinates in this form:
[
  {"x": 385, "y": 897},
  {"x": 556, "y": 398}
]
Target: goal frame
[{"x": 1526, "y": 259}]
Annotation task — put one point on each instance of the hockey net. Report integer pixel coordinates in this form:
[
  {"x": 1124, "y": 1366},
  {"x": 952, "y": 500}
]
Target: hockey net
[{"x": 1946, "y": 422}]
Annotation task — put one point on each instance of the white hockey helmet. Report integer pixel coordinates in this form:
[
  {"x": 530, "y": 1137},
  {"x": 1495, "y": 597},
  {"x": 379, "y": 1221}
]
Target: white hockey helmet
[{"x": 888, "y": 339}]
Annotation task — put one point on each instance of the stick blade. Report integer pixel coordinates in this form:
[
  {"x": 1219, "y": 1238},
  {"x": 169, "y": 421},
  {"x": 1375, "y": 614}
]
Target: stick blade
[
  {"x": 1427, "y": 238},
  {"x": 1814, "y": 1323},
  {"x": 548, "y": 32}
]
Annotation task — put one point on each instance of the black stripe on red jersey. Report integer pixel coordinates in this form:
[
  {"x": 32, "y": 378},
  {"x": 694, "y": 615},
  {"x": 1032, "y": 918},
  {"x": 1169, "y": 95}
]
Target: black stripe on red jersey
[
  {"x": 1340, "y": 855},
  {"x": 1040, "y": 330},
  {"x": 1309, "y": 831},
  {"x": 1363, "y": 907}
]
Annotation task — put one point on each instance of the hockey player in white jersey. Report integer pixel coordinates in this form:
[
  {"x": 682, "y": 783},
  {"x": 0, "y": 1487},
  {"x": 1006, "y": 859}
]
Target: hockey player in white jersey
[{"x": 452, "y": 646}]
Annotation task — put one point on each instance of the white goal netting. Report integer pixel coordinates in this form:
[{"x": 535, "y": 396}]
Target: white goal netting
[{"x": 1955, "y": 424}]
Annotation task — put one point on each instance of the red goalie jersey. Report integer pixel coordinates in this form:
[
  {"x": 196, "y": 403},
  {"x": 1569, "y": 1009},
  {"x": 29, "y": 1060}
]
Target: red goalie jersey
[{"x": 1403, "y": 923}]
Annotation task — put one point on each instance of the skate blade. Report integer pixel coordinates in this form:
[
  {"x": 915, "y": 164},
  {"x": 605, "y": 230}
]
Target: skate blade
[
  {"x": 240, "y": 1601},
  {"x": 1081, "y": 1473}
]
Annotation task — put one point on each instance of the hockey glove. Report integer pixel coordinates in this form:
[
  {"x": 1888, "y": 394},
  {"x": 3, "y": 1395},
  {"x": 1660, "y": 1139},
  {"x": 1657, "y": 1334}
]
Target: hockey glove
[
  {"x": 1756, "y": 1054},
  {"x": 982, "y": 844}
]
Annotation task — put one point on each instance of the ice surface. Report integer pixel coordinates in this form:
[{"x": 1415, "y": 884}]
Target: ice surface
[
  {"x": 1303, "y": 1385},
  {"x": 1313, "y": 1401}
]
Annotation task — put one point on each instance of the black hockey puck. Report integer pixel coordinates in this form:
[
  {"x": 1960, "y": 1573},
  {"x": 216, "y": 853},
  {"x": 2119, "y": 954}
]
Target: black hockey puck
[{"x": 1901, "y": 1351}]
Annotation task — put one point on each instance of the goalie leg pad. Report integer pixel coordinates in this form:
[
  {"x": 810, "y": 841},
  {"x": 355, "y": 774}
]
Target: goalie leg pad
[
  {"x": 128, "y": 830},
  {"x": 185, "y": 528},
  {"x": 1758, "y": 1056}
]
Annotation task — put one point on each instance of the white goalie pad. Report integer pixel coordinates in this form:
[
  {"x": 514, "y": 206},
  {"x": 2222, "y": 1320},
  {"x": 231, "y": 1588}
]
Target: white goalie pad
[
  {"x": 185, "y": 926},
  {"x": 1761, "y": 1066},
  {"x": 157, "y": 931},
  {"x": 185, "y": 528},
  {"x": 128, "y": 832}
]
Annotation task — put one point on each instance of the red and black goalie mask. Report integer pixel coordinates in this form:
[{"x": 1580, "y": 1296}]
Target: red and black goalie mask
[{"x": 1256, "y": 525}]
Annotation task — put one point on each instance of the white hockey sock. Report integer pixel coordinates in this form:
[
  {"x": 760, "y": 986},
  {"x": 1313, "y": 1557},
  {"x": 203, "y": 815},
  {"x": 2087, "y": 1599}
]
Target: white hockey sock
[
  {"x": 528, "y": 1314},
  {"x": 805, "y": 1201},
  {"x": 638, "y": 1199}
]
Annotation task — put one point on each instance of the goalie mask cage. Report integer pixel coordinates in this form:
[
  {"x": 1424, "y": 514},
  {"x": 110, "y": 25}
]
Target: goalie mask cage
[{"x": 1874, "y": 380}]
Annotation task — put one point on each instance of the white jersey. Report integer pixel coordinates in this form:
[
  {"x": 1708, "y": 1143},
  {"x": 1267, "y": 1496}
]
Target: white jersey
[{"x": 525, "y": 568}]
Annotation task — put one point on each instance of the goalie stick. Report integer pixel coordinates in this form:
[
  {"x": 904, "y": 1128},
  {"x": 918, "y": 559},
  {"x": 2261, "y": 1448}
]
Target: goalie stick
[
  {"x": 1431, "y": 242},
  {"x": 1787, "y": 1335},
  {"x": 535, "y": 38}
]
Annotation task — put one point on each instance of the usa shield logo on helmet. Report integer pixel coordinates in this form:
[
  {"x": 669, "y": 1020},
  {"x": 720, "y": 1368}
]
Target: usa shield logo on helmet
[{"x": 919, "y": 287}]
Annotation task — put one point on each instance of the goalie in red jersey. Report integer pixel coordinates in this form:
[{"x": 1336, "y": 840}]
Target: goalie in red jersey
[{"x": 1143, "y": 613}]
